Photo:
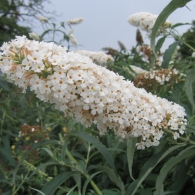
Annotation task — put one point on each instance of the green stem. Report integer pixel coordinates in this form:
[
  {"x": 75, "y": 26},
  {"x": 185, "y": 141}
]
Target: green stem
[
  {"x": 118, "y": 67},
  {"x": 181, "y": 138},
  {"x": 2, "y": 121},
  {"x": 187, "y": 140},
  {"x": 10, "y": 118},
  {"x": 189, "y": 46},
  {"x": 179, "y": 39},
  {"x": 86, "y": 175},
  {"x": 15, "y": 190},
  {"x": 54, "y": 30}
]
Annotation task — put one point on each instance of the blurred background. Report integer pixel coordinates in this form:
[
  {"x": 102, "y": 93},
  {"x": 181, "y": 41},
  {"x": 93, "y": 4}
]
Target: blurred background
[{"x": 105, "y": 22}]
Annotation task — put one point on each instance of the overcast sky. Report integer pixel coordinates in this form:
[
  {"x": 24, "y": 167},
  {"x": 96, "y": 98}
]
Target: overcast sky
[{"x": 105, "y": 21}]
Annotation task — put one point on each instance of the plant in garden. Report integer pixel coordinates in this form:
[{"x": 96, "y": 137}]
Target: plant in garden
[{"x": 49, "y": 152}]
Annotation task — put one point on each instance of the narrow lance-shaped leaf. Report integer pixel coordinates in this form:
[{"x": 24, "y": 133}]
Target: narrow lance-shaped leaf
[
  {"x": 168, "y": 166},
  {"x": 53, "y": 185},
  {"x": 113, "y": 177},
  {"x": 160, "y": 43},
  {"x": 91, "y": 139},
  {"x": 3, "y": 83},
  {"x": 131, "y": 142},
  {"x": 5, "y": 150},
  {"x": 35, "y": 146},
  {"x": 168, "y": 54},
  {"x": 87, "y": 182},
  {"x": 190, "y": 78},
  {"x": 179, "y": 24},
  {"x": 148, "y": 167},
  {"x": 171, "y": 7}
]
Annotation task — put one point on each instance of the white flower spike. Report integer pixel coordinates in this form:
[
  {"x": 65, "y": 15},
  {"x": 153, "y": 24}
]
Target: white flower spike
[{"x": 91, "y": 92}]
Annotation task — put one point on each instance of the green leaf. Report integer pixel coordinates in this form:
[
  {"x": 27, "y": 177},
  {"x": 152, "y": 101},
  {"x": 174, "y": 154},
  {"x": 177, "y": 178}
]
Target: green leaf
[
  {"x": 131, "y": 145},
  {"x": 168, "y": 54},
  {"x": 148, "y": 167},
  {"x": 5, "y": 150},
  {"x": 42, "y": 143},
  {"x": 63, "y": 154},
  {"x": 7, "y": 193},
  {"x": 160, "y": 43},
  {"x": 146, "y": 191},
  {"x": 37, "y": 190},
  {"x": 71, "y": 190},
  {"x": 87, "y": 182},
  {"x": 3, "y": 84},
  {"x": 42, "y": 166},
  {"x": 27, "y": 93},
  {"x": 180, "y": 178},
  {"x": 113, "y": 177},
  {"x": 179, "y": 24},
  {"x": 110, "y": 192},
  {"x": 48, "y": 151},
  {"x": 190, "y": 78},
  {"x": 103, "y": 150},
  {"x": 62, "y": 24},
  {"x": 170, "y": 8},
  {"x": 44, "y": 33},
  {"x": 169, "y": 165},
  {"x": 35, "y": 146},
  {"x": 53, "y": 185}
]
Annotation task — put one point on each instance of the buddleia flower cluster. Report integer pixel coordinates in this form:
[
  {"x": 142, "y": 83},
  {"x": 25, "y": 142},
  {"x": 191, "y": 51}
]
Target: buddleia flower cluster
[
  {"x": 99, "y": 58},
  {"x": 135, "y": 70},
  {"x": 34, "y": 133},
  {"x": 93, "y": 94},
  {"x": 72, "y": 39},
  {"x": 43, "y": 19},
  {"x": 34, "y": 36},
  {"x": 154, "y": 80},
  {"x": 75, "y": 21},
  {"x": 146, "y": 21},
  {"x": 147, "y": 51}
]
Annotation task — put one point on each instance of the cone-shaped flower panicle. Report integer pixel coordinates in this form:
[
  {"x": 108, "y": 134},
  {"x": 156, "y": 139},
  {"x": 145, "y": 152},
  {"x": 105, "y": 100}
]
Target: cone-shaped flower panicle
[
  {"x": 72, "y": 39},
  {"x": 153, "y": 81},
  {"x": 34, "y": 36},
  {"x": 99, "y": 58},
  {"x": 91, "y": 92},
  {"x": 43, "y": 19},
  {"x": 75, "y": 21},
  {"x": 145, "y": 21},
  {"x": 136, "y": 70}
]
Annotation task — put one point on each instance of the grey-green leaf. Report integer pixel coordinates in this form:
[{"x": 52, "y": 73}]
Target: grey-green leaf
[
  {"x": 148, "y": 167},
  {"x": 3, "y": 83},
  {"x": 190, "y": 78},
  {"x": 131, "y": 145},
  {"x": 168, "y": 54},
  {"x": 159, "y": 43},
  {"x": 171, "y": 7},
  {"x": 53, "y": 185},
  {"x": 113, "y": 177},
  {"x": 87, "y": 182},
  {"x": 169, "y": 165},
  {"x": 103, "y": 150}
]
